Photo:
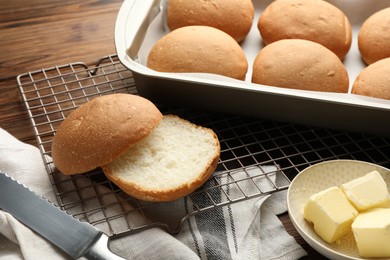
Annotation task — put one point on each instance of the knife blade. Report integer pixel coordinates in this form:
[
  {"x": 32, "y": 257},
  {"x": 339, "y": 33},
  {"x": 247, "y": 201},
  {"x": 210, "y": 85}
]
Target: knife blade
[{"x": 77, "y": 239}]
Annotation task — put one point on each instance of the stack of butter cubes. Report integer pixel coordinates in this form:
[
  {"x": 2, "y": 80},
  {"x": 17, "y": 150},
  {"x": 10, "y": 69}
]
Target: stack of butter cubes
[{"x": 360, "y": 206}]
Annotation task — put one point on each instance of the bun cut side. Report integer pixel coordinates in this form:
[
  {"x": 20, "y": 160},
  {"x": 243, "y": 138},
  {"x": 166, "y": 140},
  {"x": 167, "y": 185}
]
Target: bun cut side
[
  {"x": 102, "y": 129},
  {"x": 173, "y": 161}
]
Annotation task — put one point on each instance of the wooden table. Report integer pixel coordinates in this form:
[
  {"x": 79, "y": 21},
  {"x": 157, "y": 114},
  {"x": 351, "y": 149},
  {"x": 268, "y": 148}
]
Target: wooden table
[{"x": 39, "y": 34}]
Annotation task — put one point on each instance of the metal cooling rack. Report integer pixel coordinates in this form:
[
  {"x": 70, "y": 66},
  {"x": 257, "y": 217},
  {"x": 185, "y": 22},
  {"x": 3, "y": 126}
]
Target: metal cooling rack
[{"x": 258, "y": 157}]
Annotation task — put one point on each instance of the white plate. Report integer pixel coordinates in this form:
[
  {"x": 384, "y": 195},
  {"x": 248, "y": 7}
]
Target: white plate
[{"x": 319, "y": 177}]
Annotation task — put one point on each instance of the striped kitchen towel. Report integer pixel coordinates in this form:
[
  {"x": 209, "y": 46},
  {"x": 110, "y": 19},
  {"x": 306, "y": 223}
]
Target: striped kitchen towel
[{"x": 246, "y": 230}]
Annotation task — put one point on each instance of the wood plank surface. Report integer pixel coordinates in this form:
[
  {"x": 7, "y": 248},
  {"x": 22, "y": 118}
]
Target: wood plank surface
[{"x": 40, "y": 34}]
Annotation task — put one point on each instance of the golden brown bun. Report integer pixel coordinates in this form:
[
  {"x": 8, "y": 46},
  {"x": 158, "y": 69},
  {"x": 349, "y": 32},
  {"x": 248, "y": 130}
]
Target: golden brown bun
[
  {"x": 374, "y": 37},
  {"x": 313, "y": 20},
  {"x": 300, "y": 64},
  {"x": 173, "y": 161},
  {"x": 198, "y": 49},
  {"x": 101, "y": 130},
  {"x": 374, "y": 80},
  {"x": 235, "y": 17}
]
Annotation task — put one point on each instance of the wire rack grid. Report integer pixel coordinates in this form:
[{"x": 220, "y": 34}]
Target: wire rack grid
[{"x": 258, "y": 157}]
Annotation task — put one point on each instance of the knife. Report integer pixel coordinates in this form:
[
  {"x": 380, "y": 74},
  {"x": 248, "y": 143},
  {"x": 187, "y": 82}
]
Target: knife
[{"x": 76, "y": 238}]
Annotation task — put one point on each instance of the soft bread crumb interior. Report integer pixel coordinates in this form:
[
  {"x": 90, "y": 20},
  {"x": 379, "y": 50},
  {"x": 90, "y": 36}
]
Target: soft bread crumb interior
[{"x": 175, "y": 153}]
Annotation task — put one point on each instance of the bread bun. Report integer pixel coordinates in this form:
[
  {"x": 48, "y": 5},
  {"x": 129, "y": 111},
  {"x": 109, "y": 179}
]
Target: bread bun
[
  {"x": 374, "y": 37},
  {"x": 149, "y": 156},
  {"x": 198, "y": 49},
  {"x": 300, "y": 64},
  {"x": 235, "y": 17},
  {"x": 313, "y": 20},
  {"x": 174, "y": 160},
  {"x": 102, "y": 129},
  {"x": 374, "y": 80}
]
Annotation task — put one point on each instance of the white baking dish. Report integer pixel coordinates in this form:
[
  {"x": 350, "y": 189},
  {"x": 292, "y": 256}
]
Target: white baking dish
[{"x": 140, "y": 23}]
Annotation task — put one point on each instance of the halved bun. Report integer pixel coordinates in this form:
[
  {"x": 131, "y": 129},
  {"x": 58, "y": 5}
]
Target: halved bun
[
  {"x": 174, "y": 160},
  {"x": 101, "y": 130}
]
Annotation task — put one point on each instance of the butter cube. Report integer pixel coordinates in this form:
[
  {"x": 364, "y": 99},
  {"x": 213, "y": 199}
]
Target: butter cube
[
  {"x": 367, "y": 192},
  {"x": 331, "y": 214},
  {"x": 371, "y": 230}
]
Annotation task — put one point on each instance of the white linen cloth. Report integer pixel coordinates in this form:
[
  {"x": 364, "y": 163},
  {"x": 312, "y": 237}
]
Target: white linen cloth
[{"x": 245, "y": 230}]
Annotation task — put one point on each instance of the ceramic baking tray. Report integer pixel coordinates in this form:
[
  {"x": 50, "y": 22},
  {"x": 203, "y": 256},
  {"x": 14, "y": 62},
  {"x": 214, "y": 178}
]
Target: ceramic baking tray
[{"x": 140, "y": 23}]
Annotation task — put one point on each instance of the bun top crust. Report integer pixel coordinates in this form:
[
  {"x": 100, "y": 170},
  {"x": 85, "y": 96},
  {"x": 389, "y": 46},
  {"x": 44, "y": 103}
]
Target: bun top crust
[
  {"x": 313, "y": 20},
  {"x": 374, "y": 37},
  {"x": 374, "y": 80},
  {"x": 235, "y": 17},
  {"x": 300, "y": 64},
  {"x": 102, "y": 129},
  {"x": 198, "y": 49}
]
